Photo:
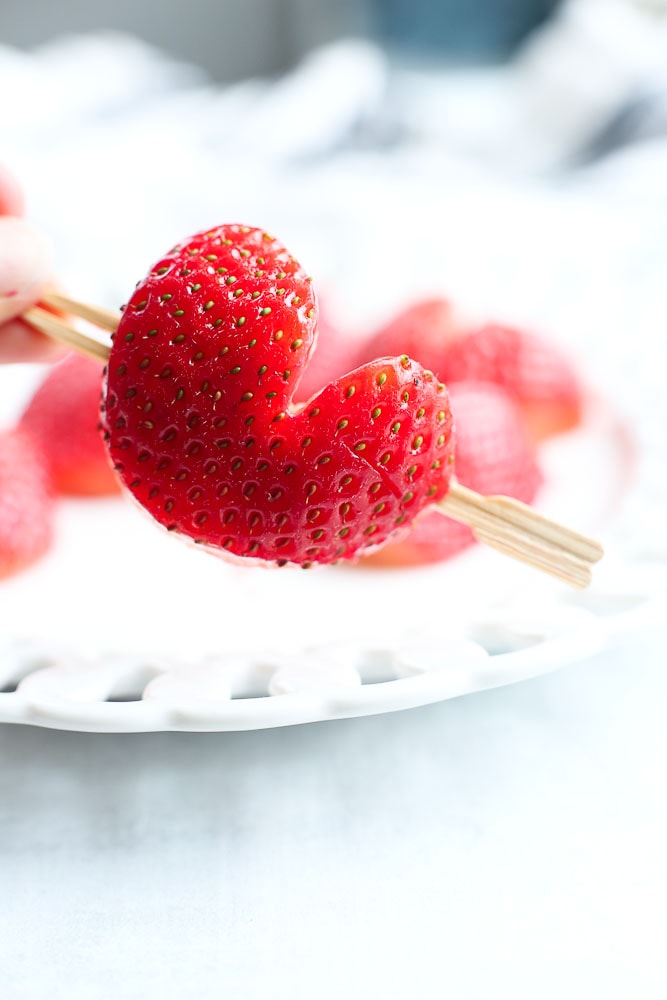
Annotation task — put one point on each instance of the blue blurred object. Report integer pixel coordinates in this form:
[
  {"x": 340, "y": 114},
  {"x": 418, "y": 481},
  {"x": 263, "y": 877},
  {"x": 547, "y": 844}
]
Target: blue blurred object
[{"x": 460, "y": 30}]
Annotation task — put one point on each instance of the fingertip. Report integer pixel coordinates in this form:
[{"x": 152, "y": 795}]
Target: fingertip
[
  {"x": 19, "y": 343},
  {"x": 25, "y": 266}
]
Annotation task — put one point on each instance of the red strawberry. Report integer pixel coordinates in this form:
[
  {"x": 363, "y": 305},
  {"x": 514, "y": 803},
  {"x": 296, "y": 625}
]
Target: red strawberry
[
  {"x": 532, "y": 370},
  {"x": 63, "y": 416},
  {"x": 12, "y": 201},
  {"x": 423, "y": 330},
  {"x": 493, "y": 455},
  {"x": 200, "y": 426},
  {"x": 25, "y": 502}
]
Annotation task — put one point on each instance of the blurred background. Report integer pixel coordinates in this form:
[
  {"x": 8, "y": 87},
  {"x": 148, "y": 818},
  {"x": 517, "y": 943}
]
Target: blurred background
[
  {"x": 234, "y": 39},
  {"x": 511, "y": 154}
]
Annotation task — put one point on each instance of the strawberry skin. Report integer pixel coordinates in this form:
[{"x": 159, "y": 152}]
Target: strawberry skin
[
  {"x": 532, "y": 370},
  {"x": 200, "y": 427},
  {"x": 25, "y": 502},
  {"x": 63, "y": 417},
  {"x": 493, "y": 455}
]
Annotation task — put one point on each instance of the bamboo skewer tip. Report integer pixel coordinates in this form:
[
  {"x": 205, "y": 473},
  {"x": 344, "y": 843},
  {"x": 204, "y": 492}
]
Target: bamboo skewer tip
[{"x": 522, "y": 532}]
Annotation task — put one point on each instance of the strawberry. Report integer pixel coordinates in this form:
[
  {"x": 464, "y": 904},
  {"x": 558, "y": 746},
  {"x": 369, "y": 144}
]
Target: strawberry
[
  {"x": 12, "y": 201},
  {"x": 25, "y": 502},
  {"x": 63, "y": 416},
  {"x": 493, "y": 455},
  {"x": 423, "y": 330},
  {"x": 532, "y": 370},
  {"x": 199, "y": 422}
]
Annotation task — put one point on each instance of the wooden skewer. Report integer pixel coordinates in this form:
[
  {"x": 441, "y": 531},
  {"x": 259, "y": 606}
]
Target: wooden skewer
[
  {"x": 522, "y": 542},
  {"x": 505, "y": 524},
  {"x": 520, "y": 515},
  {"x": 562, "y": 566},
  {"x": 55, "y": 327},
  {"x": 518, "y": 530},
  {"x": 104, "y": 318}
]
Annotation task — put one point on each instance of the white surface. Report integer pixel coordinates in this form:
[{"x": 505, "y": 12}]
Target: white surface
[{"x": 509, "y": 845}]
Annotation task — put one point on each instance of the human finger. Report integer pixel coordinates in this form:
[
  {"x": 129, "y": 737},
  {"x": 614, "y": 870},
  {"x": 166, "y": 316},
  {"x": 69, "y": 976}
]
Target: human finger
[{"x": 25, "y": 269}]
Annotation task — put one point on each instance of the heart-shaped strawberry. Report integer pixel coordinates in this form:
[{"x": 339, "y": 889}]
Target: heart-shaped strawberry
[{"x": 200, "y": 425}]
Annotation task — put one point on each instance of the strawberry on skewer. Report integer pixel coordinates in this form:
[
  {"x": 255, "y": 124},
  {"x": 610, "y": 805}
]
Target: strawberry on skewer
[
  {"x": 201, "y": 428},
  {"x": 200, "y": 424}
]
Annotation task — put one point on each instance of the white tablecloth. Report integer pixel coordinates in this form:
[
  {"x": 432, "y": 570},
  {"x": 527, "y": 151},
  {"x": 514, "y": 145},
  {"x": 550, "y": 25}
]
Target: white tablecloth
[{"x": 509, "y": 844}]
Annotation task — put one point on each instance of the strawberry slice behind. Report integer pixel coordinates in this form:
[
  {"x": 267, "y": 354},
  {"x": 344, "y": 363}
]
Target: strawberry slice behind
[
  {"x": 63, "y": 417},
  {"x": 200, "y": 424},
  {"x": 537, "y": 375},
  {"x": 26, "y": 507},
  {"x": 493, "y": 455},
  {"x": 423, "y": 330}
]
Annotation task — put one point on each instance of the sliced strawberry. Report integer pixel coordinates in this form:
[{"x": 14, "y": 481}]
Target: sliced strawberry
[
  {"x": 63, "y": 416},
  {"x": 25, "y": 502},
  {"x": 200, "y": 426},
  {"x": 423, "y": 330},
  {"x": 532, "y": 370},
  {"x": 493, "y": 455},
  {"x": 12, "y": 201}
]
